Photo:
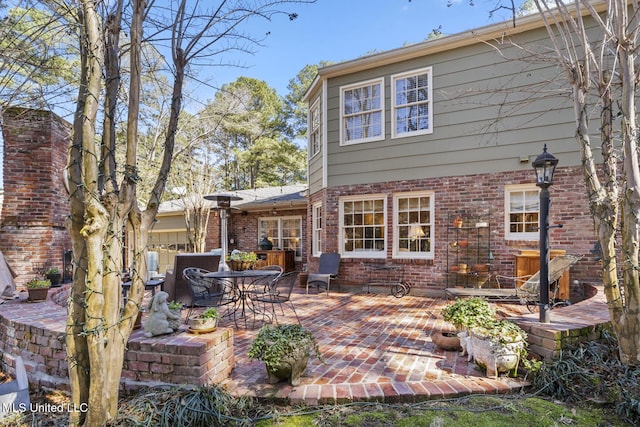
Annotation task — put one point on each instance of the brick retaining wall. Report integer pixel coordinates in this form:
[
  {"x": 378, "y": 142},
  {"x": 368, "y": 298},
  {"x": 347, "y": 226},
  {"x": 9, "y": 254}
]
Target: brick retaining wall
[
  {"x": 580, "y": 322},
  {"x": 35, "y": 331}
]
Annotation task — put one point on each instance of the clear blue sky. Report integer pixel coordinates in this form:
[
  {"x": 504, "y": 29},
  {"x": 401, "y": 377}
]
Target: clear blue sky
[{"x": 340, "y": 30}]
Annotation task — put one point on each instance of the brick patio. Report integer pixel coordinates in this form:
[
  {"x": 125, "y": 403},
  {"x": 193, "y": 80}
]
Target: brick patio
[{"x": 376, "y": 347}]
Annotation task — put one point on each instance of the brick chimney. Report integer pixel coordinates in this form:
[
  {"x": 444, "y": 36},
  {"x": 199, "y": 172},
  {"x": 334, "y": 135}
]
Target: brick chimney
[{"x": 32, "y": 231}]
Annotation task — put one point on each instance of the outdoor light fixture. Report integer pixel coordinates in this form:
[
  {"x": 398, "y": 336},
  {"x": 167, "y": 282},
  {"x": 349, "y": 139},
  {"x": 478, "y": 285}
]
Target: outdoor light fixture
[
  {"x": 544, "y": 165},
  {"x": 224, "y": 203}
]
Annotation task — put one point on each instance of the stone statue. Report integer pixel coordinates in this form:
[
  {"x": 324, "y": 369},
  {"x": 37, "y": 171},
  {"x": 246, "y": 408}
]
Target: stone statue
[{"x": 159, "y": 315}]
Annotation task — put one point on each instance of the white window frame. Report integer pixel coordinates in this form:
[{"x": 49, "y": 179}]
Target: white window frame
[
  {"x": 343, "y": 234},
  {"x": 426, "y": 226},
  {"x": 379, "y": 110},
  {"x": 315, "y": 128},
  {"x": 394, "y": 107},
  {"x": 277, "y": 241},
  {"x": 316, "y": 227},
  {"x": 509, "y": 190}
]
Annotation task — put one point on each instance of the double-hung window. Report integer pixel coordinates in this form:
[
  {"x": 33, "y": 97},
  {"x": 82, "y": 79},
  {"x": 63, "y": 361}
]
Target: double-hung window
[
  {"x": 522, "y": 212},
  {"x": 315, "y": 124},
  {"x": 316, "y": 215},
  {"x": 362, "y": 112},
  {"x": 284, "y": 232},
  {"x": 412, "y": 106},
  {"x": 362, "y": 226},
  {"x": 413, "y": 223}
]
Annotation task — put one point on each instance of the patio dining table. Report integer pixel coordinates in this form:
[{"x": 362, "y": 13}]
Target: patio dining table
[{"x": 242, "y": 281}]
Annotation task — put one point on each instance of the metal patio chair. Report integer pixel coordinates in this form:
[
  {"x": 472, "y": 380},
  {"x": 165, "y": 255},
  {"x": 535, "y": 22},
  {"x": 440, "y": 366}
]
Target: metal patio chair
[
  {"x": 327, "y": 270},
  {"x": 279, "y": 293},
  {"x": 208, "y": 292}
]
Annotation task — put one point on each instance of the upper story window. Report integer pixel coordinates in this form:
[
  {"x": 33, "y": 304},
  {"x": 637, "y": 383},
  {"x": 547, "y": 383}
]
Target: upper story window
[
  {"x": 317, "y": 229},
  {"x": 315, "y": 124},
  {"x": 412, "y": 109},
  {"x": 413, "y": 223},
  {"x": 522, "y": 212},
  {"x": 362, "y": 226},
  {"x": 284, "y": 232},
  {"x": 362, "y": 112}
]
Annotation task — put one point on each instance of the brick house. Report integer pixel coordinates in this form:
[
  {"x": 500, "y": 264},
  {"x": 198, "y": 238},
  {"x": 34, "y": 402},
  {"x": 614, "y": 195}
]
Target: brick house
[
  {"x": 280, "y": 213},
  {"x": 402, "y": 142}
]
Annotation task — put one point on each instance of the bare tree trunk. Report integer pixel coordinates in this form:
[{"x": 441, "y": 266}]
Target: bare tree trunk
[
  {"x": 81, "y": 328},
  {"x": 627, "y": 325},
  {"x": 617, "y": 201}
]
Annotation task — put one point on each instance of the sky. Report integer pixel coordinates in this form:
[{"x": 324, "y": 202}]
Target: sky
[
  {"x": 340, "y": 30},
  {"x": 336, "y": 31}
]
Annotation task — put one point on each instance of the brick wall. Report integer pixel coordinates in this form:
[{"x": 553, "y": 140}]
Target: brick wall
[
  {"x": 37, "y": 335},
  {"x": 35, "y": 206},
  {"x": 243, "y": 227},
  {"x": 471, "y": 194}
]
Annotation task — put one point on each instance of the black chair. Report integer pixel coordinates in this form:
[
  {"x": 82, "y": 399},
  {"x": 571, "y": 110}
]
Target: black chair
[
  {"x": 208, "y": 292},
  {"x": 262, "y": 284},
  {"x": 278, "y": 293},
  {"x": 327, "y": 270}
]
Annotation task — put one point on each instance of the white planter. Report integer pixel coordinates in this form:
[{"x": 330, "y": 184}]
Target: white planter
[
  {"x": 199, "y": 324},
  {"x": 496, "y": 358}
]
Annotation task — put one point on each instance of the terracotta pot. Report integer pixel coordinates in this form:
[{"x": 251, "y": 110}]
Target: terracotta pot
[
  {"x": 480, "y": 268},
  {"x": 446, "y": 340},
  {"x": 463, "y": 243}
]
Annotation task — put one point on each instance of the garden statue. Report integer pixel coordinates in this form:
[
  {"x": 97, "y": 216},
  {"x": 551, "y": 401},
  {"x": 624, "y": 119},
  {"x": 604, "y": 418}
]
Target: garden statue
[{"x": 159, "y": 315}]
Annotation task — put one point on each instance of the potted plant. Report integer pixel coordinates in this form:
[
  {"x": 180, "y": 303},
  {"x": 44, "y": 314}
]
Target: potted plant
[
  {"x": 176, "y": 308},
  {"x": 38, "y": 289},
  {"x": 466, "y": 313},
  {"x": 463, "y": 314},
  {"x": 54, "y": 276},
  {"x": 206, "y": 321},
  {"x": 499, "y": 346},
  {"x": 239, "y": 261},
  {"x": 285, "y": 350}
]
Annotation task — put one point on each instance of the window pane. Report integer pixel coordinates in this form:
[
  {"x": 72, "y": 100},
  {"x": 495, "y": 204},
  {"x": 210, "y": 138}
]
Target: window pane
[
  {"x": 413, "y": 229},
  {"x": 411, "y": 103},
  {"x": 363, "y": 225},
  {"x": 523, "y": 212},
  {"x": 362, "y": 112}
]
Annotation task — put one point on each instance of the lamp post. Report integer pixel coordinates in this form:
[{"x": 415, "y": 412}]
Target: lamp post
[
  {"x": 544, "y": 165},
  {"x": 224, "y": 204}
]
